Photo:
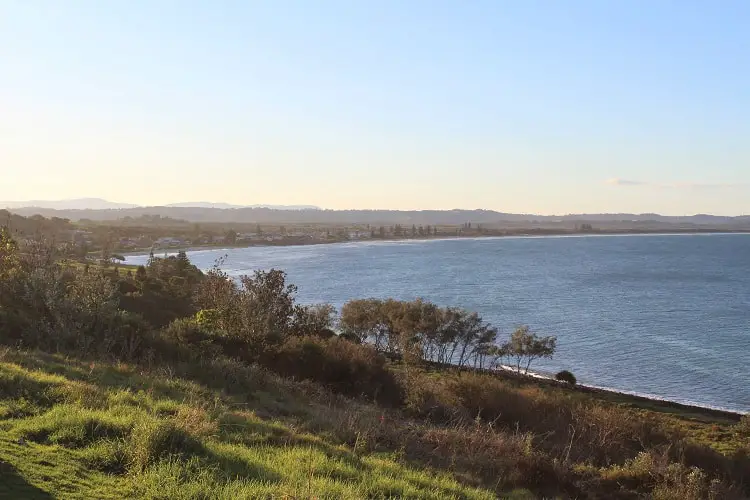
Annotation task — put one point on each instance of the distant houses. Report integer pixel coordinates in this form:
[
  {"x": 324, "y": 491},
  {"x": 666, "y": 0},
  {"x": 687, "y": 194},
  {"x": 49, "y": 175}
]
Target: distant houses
[
  {"x": 358, "y": 235},
  {"x": 168, "y": 241}
]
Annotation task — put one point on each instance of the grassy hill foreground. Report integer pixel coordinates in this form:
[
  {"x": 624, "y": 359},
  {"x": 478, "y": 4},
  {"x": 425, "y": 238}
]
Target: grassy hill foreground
[{"x": 72, "y": 429}]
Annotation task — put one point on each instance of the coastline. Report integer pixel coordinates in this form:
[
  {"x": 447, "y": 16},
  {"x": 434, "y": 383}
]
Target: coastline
[
  {"x": 545, "y": 234},
  {"x": 628, "y": 398},
  {"x": 683, "y": 407}
]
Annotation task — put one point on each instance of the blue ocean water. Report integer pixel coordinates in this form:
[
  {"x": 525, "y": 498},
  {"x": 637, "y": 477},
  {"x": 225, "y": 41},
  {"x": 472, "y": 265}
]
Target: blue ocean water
[{"x": 664, "y": 316}]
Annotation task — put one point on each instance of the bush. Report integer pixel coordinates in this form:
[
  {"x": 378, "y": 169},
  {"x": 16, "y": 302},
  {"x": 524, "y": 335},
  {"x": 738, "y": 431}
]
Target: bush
[
  {"x": 187, "y": 339},
  {"x": 208, "y": 318},
  {"x": 743, "y": 426},
  {"x": 345, "y": 367},
  {"x": 567, "y": 377}
]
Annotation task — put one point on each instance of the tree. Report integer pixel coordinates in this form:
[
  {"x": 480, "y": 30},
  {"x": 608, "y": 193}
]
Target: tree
[
  {"x": 464, "y": 336},
  {"x": 525, "y": 346},
  {"x": 231, "y": 236},
  {"x": 107, "y": 253},
  {"x": 363, "y": 320},
  {"x": 258, "y": 230},
  {"x": 314, "y": 320},
  {"x": 382, "y": 232},
  {"x": 9, "y": 258},
  {"x": 267, "y": 305}
]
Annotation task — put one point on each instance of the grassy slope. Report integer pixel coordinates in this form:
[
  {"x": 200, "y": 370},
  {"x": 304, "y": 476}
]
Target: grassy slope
[
  {"x": 704, "y": 426},
  {"x": 77, "y": 429},
  {"x": 70, "y": 429}
]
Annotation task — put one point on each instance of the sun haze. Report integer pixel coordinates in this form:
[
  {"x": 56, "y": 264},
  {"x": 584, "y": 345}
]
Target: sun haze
[{"x": 535, "y": 107}]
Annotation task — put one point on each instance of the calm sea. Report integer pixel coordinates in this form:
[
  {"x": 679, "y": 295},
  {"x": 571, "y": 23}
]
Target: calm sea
[{"x": 664, "y": 316}]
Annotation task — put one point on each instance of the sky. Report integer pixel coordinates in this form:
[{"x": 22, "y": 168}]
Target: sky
[{"x": 529, "y": 106}]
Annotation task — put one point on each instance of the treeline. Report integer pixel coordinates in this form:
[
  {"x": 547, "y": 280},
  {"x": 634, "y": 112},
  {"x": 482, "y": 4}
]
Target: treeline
[
  {"x": 421, "y": 331},
  {"x": 36, "y": 225}
]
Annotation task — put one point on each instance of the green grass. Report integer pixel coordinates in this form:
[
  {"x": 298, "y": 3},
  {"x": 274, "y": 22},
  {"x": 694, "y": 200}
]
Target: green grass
[
  {"x": 122, "y": 269},
  {"x": 70, "y": 429}
]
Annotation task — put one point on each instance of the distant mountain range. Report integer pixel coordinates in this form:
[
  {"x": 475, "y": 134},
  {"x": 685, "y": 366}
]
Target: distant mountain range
[
  {"x": 100, "y": 204},
  {"x": 76, "y": 204},
  {"x": 225, "y": 213},
  {"x": 226, "y": 206}
]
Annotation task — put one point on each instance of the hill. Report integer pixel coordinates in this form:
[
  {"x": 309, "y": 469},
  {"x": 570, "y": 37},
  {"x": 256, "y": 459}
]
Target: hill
[
  {"x": 33, "y": 207},
  {"x": 308, "y": 215},
  {"x": 166, "y": 382},
  {"x": 224, "y": 206},
  {"x": 74, "y": 204},
  {"x": 74, "y": 429},
  {"x": 27, "y": 226}
]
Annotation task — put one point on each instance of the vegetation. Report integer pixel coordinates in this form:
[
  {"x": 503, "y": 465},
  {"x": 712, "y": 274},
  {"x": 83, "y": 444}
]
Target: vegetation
[
  {"x": 168, "y": 382},
  {"x": 95, "y": 430},
  {"x": 524, "y": 347},
  {"x": 566, "y": 376}
]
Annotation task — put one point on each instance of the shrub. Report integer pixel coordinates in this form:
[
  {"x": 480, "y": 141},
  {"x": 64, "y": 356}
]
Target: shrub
[
  {"x": 743, "y": 426},
  {"x": 208, "y": 318},
  {"x": 345, "y": 367},
  {"x": 566, "y": 376},
  {"x": 315, "y": 320},
  {"x": 187, "y": 339}
]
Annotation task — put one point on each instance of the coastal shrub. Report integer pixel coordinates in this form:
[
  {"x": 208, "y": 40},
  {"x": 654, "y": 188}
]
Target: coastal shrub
[
  {"x": 743, "y": 426},
  {"x": 345, "y": 367},
  {"x": 317, "y": 320},
  {"x": 186, "y": 339},
  {"x": 572, "y": 428},
  {"x": 59, "y": 309},
  {"x": 260, "y": 310},
  {"x": 566, "y": 376},
  {"x": 187, "y": 332},
  {"x": 208, "y": 318}
]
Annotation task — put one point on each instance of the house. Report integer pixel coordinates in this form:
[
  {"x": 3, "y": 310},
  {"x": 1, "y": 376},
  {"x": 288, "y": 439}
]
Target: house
[
  {"x": 168, "y": 241},
  {"x": 358, "y": 235}
]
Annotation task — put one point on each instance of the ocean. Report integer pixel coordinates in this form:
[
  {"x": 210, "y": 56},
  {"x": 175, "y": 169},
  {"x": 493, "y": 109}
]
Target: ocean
[{"x": 665, "y": 316}]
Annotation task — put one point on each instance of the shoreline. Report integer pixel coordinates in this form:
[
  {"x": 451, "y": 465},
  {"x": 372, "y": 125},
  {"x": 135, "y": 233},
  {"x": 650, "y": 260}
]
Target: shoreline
[
  {"x": 201, "y": 248},
  {"x": 623, "y": 396},
  {"x": 618, "y": 396}
]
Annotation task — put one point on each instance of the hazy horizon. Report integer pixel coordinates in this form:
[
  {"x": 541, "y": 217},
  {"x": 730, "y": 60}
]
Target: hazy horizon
[
  {"x": 95, "y": 204},
  {"x": 531, "y": 108}
]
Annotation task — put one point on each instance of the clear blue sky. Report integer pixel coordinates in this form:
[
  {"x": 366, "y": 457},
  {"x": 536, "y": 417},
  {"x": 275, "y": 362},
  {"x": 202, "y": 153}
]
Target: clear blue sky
[{"x": 521, "y": 106}]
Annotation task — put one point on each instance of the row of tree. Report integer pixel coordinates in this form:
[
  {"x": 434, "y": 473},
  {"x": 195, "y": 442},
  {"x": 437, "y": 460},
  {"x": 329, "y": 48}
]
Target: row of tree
[
  {"x": 262, "y": 309},
  {"x": 421, "y": 331}
]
